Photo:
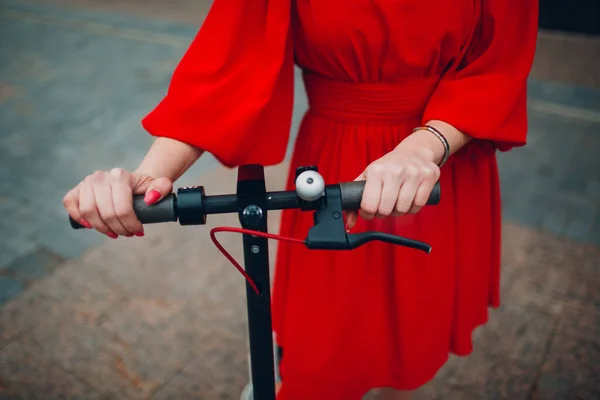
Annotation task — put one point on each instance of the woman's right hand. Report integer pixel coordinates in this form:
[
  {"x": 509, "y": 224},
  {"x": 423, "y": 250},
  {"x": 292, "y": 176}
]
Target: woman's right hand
[{"x": 104, "y": 201}]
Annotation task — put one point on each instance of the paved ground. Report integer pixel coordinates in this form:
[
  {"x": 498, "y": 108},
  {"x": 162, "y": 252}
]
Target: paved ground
[{"x": 84, "y": 317}]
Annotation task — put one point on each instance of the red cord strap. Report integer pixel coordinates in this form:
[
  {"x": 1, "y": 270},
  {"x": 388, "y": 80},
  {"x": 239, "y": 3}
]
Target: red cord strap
[{"x": 248, "y": 232}]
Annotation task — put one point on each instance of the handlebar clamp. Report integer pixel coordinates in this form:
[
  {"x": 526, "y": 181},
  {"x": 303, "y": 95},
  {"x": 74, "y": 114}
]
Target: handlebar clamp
[{"x": 190, "y": 206}]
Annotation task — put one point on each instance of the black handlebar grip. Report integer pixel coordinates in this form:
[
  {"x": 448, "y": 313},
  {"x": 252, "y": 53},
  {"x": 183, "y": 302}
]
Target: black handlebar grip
[
  {"x": 352, "y": 195},
  {"x": 163, "y": 211}
]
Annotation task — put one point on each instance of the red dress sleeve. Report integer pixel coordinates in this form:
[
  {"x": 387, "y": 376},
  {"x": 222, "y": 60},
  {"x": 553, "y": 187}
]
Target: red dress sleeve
[
  {"x": 485, "y": 95},
  {"x": 232, "y": 93}
]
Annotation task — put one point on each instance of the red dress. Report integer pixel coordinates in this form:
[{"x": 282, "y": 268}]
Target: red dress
[{"x": 374, "y": 69}]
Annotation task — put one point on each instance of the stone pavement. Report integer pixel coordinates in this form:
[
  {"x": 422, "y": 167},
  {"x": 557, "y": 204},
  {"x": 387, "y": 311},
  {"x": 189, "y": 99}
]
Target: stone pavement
[{"x": 86, "y": 317}]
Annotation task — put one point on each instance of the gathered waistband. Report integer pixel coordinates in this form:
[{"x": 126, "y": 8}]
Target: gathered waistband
[{"x": 368, "y": 102}]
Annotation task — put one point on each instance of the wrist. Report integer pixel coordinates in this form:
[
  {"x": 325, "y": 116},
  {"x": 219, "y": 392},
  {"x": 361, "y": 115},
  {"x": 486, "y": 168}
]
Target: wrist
[
  {"x": 425, "y": 145},
  {"x": 168, "y": 158}
]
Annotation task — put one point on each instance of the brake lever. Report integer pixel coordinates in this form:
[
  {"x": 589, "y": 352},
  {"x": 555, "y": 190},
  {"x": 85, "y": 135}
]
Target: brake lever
[
  {"x": 358, "y": 239},
  {"x": 329, "y": 231}
]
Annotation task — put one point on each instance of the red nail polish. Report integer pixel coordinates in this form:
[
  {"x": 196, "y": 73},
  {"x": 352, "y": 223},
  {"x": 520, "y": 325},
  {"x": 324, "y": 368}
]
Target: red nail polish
[
  {"x": 151, "y": 197},
  {"x": 85, "y": 223},
  {"x": 139, "y": 234},
  {"x": 129, "y": 235},
  {"x": 112, "y": 235}
]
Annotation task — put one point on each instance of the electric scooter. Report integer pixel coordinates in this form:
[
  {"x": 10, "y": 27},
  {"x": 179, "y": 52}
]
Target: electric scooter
[{"x": 190, "y": 206}]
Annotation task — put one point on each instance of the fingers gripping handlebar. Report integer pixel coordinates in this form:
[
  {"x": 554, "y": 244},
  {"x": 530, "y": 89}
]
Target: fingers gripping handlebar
[
  {"x": 352, "y": 195},
  {"x": 190, "y": 206}
]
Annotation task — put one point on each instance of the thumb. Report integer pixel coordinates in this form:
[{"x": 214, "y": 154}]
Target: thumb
[
  {"x": 158, "y": 189},
  {"x": 351, "y": 217}
]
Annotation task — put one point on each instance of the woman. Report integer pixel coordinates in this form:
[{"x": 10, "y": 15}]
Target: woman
[{"x": 402, "y": 93}]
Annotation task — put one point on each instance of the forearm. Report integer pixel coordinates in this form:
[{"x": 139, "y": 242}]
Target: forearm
[
  {"x": 432, "y": 145},
  {"x": 168, "y": 158}
]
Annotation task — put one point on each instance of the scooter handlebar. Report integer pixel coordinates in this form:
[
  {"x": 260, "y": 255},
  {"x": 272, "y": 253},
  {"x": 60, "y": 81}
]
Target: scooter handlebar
[
  {"x": 191, "y": 205},
  {"x": 162, "y": 211},
  {"x": 352, "y": 195}
]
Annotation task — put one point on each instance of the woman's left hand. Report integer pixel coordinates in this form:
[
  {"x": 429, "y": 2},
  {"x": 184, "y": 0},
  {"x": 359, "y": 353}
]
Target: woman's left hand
[{"x": 398, "y": 183}]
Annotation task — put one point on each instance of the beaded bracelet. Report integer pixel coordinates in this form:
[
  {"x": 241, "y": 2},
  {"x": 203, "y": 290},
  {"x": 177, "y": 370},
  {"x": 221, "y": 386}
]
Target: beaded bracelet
[{"x": 442, "y": 139}]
